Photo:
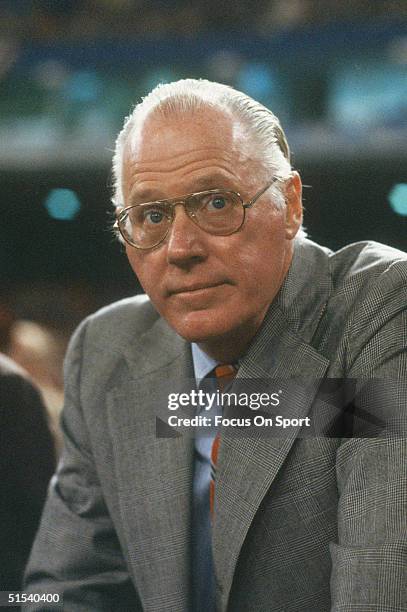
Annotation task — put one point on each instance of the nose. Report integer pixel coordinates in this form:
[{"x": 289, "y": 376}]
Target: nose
[{"x": 186, "y": 243}]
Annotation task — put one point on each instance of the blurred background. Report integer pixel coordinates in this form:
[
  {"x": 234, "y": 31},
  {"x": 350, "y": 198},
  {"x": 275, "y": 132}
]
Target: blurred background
[{"x": 335, "y": 72}]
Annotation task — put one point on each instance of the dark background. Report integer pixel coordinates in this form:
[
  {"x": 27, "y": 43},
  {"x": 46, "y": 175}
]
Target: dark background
[{"x": 345, "y": 201}]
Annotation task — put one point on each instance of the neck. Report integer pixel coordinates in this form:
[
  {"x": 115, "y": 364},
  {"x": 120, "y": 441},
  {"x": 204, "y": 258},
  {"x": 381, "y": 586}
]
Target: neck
[{"x": 228, "y": 348}]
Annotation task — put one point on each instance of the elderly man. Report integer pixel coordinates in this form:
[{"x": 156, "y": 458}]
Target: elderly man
[{"x": 210, "y": 213}]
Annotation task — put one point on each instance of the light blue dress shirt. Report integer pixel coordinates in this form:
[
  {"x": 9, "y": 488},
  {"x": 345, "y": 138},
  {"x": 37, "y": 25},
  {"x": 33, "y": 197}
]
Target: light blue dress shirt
[{"x": 203, "y": 579}]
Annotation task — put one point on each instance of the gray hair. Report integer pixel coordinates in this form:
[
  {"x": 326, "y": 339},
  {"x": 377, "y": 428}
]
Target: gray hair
[{"x": 190, "y": 95}]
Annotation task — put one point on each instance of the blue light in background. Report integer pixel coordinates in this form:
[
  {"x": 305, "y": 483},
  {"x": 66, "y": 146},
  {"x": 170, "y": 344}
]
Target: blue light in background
[
  {"x": 83, "y": 86},
  {"x": 368, "y": 94},
  {"x": 398, "y": 199},
  {"x": 257, "y": 80},
  {"x": 62, "y": 204}
]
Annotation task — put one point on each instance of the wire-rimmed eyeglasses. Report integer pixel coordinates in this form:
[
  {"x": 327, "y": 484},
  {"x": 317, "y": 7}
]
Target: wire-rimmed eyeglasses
[{"x": 216, "y": 211}]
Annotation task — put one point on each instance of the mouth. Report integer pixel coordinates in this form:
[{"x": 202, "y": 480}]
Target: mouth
[{"x": 195, "y": 288}]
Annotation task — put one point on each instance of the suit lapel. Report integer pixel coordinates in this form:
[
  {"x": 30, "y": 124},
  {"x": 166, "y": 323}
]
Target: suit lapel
[
  {"x": 281, "y": 357},
  {"x": 154, "y": 475}
]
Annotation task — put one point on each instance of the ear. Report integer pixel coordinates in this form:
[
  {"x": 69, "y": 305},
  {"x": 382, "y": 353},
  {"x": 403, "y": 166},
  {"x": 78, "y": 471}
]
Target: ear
[{"x": 293, "y": 198}]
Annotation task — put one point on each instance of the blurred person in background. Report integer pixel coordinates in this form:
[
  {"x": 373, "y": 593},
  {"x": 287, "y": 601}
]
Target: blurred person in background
[
  {"x": 210, "y": 212},
  {"x": 40, "y": 351},
  {"x": 27, "y": 462}
]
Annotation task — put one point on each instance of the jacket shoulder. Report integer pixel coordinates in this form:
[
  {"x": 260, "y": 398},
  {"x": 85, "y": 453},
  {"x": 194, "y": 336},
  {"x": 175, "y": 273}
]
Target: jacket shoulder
[
  {"x": 369, "y": 283},
  {"x": 360, "y": 264},
  {"x": 136, "y": 313},
  {"x": 111, "y": 328},
  {"x": 367, "y": 310}
]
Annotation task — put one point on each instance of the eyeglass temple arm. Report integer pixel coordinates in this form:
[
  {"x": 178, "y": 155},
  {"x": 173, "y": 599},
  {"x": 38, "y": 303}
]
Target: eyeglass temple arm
[
  {"x": 260, "y": 193},
  {"x": 118, "y": 215}
]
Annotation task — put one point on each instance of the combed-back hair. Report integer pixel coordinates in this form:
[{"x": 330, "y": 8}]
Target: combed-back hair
[
  {"x": 186, "y": 97},
  {"x": 190, "y": 95}
]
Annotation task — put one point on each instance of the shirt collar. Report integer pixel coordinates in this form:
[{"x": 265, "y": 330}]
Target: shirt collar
[{"x": 203, "y": 364}]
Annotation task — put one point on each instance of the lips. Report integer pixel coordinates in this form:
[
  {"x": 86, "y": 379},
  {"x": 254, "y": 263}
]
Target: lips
[{"x": 193, "y": 287}]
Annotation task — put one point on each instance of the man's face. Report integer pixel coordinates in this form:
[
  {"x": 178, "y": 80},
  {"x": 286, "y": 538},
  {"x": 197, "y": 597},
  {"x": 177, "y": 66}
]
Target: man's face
[{"x": 209, "y": 288}]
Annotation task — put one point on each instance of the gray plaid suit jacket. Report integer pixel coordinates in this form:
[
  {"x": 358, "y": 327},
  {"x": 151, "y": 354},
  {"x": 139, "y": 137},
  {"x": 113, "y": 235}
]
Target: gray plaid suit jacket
[{"x": 301, "y": 524}]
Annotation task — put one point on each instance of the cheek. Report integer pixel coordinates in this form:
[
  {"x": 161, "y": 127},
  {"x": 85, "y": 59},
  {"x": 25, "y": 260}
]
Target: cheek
[
  {"x": 142, "y": 268},
  {"x": 263, "y": 250},
  {"x": 133, "y": 259},
  {"x": 261, "y": 263}
]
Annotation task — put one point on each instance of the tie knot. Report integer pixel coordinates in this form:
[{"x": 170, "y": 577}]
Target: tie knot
[{"x": 225, "y": 373}]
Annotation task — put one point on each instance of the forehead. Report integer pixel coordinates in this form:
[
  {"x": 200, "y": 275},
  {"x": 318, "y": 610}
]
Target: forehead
[
  {"x": 207, "y": 140},
  {"x": 200, "y": 128}
]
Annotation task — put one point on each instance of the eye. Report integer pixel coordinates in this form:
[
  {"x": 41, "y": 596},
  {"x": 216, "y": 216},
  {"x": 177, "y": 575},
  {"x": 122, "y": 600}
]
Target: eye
[
  {"x": 147, "y": 215},
  {"x": 154, "y": 216},
  {"x": 218, "y": 202}
]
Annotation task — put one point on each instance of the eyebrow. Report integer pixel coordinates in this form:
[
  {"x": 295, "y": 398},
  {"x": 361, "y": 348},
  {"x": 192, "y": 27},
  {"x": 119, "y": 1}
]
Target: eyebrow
[
  {"x": 202, "y": 183},
  {"x": 212, "y": 181}
]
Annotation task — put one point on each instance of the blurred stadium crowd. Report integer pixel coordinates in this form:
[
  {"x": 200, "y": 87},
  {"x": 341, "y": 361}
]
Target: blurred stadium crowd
[{"x": 76, "y": 19}]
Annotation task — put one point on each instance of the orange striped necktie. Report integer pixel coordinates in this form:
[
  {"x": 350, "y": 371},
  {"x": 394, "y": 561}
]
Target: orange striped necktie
[{"x": 224, "y": 375}]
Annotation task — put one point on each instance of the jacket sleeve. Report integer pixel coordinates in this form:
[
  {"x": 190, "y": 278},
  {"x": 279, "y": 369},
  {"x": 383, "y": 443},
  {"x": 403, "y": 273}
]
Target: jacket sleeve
[
  {"x": 369, "y": 561},
  {"x": 77, "y": 552}
]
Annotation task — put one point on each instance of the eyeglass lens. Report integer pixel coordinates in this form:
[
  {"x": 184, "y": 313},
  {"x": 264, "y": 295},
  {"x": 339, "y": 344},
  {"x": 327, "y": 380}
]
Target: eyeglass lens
[{"x": 219, "y": 213}]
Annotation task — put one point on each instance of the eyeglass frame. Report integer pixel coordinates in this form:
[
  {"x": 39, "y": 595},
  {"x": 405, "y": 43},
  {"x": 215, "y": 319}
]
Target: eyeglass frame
[{"x": 182, "y": 200}]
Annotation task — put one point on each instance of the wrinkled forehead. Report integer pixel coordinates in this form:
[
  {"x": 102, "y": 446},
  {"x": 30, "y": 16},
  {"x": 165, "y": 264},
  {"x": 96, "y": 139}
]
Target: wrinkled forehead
[{"x": 175, "y": 132}]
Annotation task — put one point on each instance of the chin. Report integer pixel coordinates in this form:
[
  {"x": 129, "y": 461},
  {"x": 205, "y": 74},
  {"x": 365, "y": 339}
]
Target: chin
[{"x": 200, "y": 327}]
